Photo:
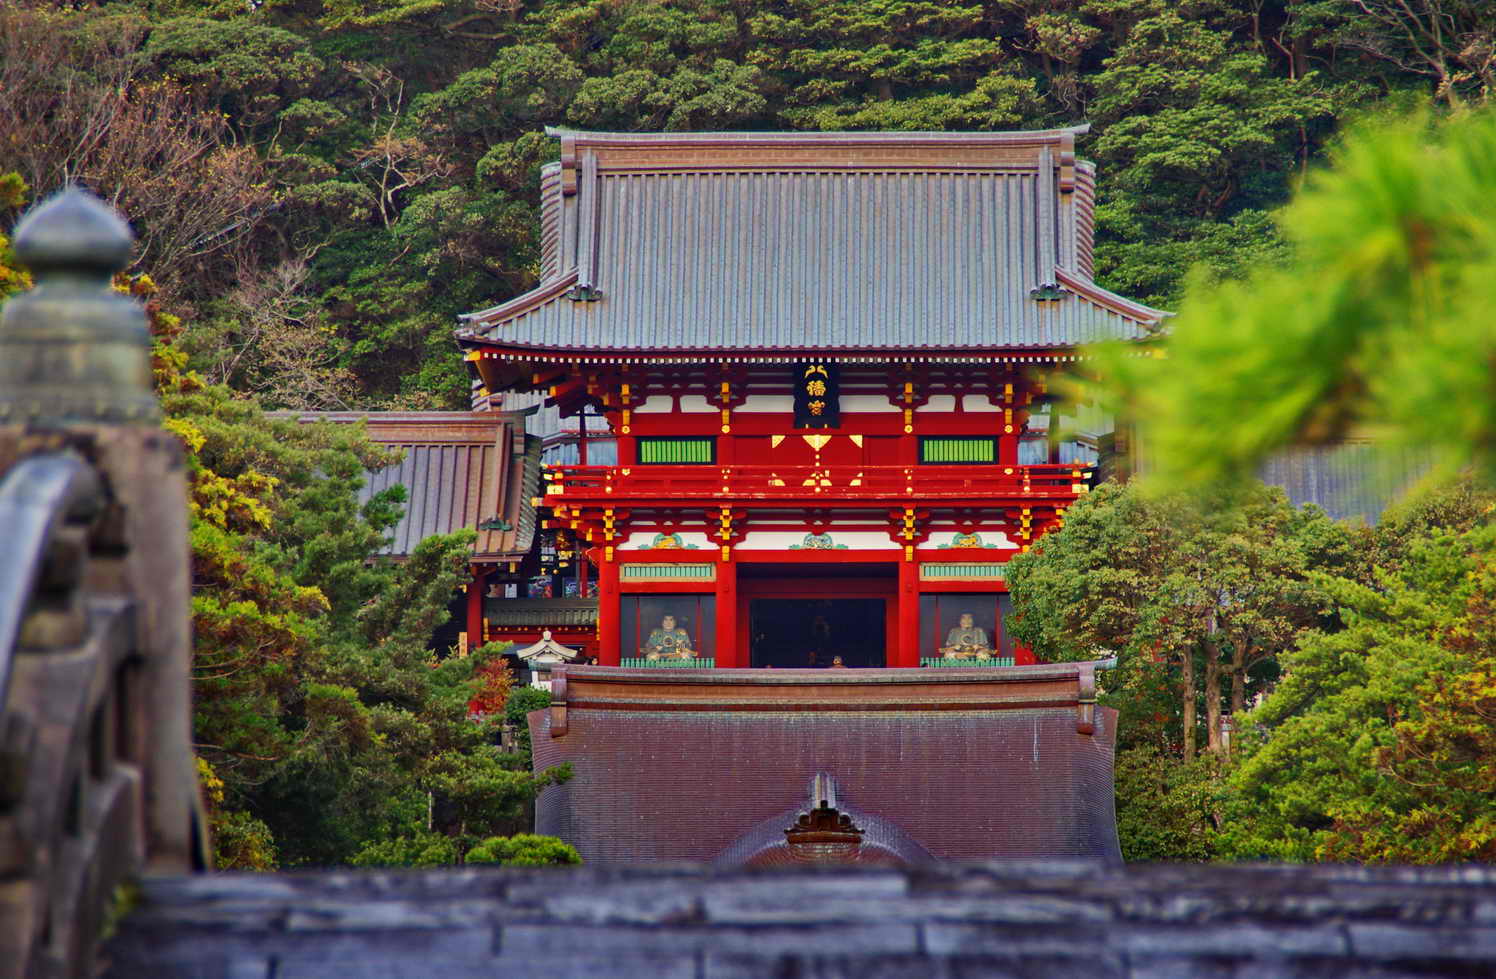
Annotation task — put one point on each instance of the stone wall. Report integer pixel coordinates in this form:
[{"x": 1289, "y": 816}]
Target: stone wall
[{"x": 1049, "y": 918}]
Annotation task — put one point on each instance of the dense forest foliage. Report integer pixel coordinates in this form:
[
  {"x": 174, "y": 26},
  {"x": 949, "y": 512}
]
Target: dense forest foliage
[
  {"x": 1355, "y": 666},
  {"x": 320, "y": 186},
  {"x": 1366, "y": 655}
]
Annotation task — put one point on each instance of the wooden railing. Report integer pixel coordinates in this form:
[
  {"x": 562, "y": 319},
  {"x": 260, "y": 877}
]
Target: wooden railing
[
  {"x": 97, "y": 778},
  {"x": 869, "y": 483}
]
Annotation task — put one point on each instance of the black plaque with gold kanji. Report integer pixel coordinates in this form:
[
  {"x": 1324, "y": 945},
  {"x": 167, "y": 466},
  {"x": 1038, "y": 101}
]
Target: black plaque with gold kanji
[{"x": 816, "y": 396}]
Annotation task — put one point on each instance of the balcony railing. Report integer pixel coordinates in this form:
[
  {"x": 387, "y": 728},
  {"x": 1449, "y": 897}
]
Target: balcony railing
[
  {"x": 941, "y": 662},
  {"x": 893, "y": 483}
]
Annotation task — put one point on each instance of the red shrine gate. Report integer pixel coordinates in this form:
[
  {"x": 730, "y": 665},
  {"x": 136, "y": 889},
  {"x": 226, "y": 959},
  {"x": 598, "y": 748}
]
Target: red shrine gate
[{"x": 822, "y": 362}]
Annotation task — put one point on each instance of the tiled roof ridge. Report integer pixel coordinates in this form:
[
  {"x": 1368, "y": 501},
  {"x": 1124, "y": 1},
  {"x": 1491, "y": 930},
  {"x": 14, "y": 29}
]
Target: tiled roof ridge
[
  {"x": 813, "y": 138},
  {"x": 493, "y": 417}
]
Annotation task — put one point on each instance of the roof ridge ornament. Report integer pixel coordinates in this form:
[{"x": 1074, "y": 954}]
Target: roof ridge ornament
[{"x": 823, "y": 833}]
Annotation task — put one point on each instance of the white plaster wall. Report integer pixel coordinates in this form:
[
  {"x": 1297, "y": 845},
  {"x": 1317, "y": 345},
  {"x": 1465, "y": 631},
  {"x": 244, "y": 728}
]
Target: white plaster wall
[
  {"x": 974, "y": 403},
  {"x": 866, "y": 403},
  {"x": 855, "y": 540},
  {"x": 640, "y": 540},
  {"x": 697, "y": 404},
  {"x": 656, "y": 404},
  {"x": 768, "y": 404},
  {"x": 938, "y": 402}
]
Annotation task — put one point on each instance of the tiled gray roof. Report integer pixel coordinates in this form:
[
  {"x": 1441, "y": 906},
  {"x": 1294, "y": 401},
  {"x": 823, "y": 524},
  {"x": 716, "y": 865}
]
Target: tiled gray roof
[
  {"x": 1355, "y": 479},
  {"x": 845, "y": 256},
  {"x": 540, "y": 611},
  {"x": 460, "y": 470}
]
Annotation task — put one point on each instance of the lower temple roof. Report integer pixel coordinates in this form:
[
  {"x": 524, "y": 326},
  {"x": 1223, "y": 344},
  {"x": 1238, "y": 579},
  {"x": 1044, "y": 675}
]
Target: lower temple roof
[{"x": 704, "y": 765}]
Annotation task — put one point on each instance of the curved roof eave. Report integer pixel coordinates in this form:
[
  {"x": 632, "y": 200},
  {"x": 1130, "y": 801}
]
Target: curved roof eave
[
  {"x": 1107, "y": 299},
  {"x": 539, "y": 296},
  {"x": 479, "y": 323}
]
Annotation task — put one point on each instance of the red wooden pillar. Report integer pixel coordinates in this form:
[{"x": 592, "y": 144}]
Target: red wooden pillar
[
  {"x": 476, "y": 589},
  {"x": 906, "y": 642},
  {"x": 727, "y": 651},
  {"x": 609, "y": 637}
]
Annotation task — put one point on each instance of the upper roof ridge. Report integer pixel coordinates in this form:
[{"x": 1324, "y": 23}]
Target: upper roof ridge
[{"x": 773, "y": 138}]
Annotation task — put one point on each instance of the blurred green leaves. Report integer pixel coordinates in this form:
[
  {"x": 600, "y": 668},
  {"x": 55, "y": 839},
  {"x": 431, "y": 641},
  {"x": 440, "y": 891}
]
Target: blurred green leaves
[{"x": 1380, "y": 323}]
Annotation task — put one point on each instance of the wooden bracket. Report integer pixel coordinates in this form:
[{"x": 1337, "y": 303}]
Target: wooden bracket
[{"x": 1085, "y": 704}]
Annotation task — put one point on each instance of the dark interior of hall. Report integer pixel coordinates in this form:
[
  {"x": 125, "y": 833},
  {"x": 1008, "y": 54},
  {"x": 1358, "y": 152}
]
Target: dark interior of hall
[{"x": 792, "y": 633}]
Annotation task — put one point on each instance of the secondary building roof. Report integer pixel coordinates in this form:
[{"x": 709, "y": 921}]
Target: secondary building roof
[
  {"x": 851, "y": 242},
  {"x": 461, "y": 470}
]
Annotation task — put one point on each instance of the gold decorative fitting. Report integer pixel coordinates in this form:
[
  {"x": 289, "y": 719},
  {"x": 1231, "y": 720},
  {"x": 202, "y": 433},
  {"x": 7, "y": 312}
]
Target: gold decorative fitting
[{"x": 817, "y": 442}]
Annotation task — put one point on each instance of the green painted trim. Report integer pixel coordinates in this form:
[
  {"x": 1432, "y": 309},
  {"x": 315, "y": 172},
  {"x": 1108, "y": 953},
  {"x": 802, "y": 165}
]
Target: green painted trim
[
  {"x": 639, "y": 662},
  {"x": 948, "y": 572},
  {"x": 957, "y": 449},
  {"x": 667, "y": 572},
  {"x": 941, "y": 662},
  {"x": 685, "y": 450}
]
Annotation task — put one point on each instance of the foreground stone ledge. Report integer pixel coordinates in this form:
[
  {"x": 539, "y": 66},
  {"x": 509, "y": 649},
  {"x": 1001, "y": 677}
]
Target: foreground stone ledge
[{"x": 1014, "y": 919}]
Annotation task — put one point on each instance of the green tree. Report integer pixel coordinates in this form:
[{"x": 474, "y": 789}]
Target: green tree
[
  {"x": 524, "y": 850},
  {"x": 13, "y": 195},
  {"x": 1214, "y": 589},
  {"x": 325, "y": 720},
  {"x": 1360, "y": 752},
  {"x": 1166, "y": 809}
]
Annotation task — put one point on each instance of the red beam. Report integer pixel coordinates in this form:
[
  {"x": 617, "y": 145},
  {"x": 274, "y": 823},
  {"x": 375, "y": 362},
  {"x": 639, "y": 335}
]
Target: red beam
[
  {"x": 906, "y": 644},
  {"x": 475, "y": 590},
  {"x": 807, "y": 485},
  {"x": 609, "y": 637}
]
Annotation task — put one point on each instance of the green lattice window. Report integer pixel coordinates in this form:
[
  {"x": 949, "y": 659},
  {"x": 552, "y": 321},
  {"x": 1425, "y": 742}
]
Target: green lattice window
[
  {"x": 678, "y": 451},
  {"x": 957, "y": 449}
]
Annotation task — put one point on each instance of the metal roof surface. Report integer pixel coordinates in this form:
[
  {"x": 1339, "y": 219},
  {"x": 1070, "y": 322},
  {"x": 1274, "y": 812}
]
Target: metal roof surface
[
  {"x": 684, "y": 764},
  {"x": 815, "y": 241},
  {"x": 1354, "y": 479},
  {"x": 459, "y": 469},
  {"x": 540, "y": 611}
]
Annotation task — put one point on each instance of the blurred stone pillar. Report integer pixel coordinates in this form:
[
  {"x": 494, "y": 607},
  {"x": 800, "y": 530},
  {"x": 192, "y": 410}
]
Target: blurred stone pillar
[{"x": 75, "y": 373}]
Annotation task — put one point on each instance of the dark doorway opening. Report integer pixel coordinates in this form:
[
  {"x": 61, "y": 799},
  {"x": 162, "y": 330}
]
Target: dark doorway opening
[{"x": 789, "y": 633}]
